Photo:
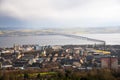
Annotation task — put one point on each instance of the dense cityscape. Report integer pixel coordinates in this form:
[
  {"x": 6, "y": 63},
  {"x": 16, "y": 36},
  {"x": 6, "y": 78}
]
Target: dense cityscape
[{"x": 60, "y": 58}]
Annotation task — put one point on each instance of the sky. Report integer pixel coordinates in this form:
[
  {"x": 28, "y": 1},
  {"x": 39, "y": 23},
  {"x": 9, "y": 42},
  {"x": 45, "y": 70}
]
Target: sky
[{"x": 59, "y": 13}]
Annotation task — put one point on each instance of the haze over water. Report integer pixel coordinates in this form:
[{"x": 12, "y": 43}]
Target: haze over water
[{"x": 43, "y": 40}]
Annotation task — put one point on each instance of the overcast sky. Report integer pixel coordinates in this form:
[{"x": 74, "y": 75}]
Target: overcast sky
[{"x": 59, "y": 13}]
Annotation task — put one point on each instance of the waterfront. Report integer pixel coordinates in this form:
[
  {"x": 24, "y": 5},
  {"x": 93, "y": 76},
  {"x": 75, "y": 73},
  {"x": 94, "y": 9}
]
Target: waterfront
[
  {"x": 58, "y": 59},
  {"x": 112, "y": 39},
  {"x": 8, "y": 41}
]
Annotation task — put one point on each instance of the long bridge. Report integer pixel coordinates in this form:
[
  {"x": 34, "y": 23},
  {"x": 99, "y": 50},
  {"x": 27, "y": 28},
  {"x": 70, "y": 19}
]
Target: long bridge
[{"x": 82, "y": 38}]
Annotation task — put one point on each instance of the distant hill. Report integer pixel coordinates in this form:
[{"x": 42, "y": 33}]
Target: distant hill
[
  {"x": 93, "y": 30},
  {"x": 15, "y": 31}
]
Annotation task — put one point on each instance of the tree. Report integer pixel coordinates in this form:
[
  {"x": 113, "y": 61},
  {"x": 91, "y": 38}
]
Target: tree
[
  {"x": 26, "y": 76},
  {"x": 5, "y": 77},
  {"x": 39, "y": 76}
]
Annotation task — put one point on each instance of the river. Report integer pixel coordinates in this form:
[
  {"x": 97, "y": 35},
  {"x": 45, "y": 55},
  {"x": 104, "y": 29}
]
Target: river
[{"x": 9, "y": 41}]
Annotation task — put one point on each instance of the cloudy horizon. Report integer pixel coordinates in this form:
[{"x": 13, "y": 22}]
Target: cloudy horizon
[{"x": 59, "y": 13}]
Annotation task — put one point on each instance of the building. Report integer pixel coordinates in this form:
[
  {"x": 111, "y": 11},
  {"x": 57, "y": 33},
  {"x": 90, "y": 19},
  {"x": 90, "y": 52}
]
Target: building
[{"x": 109, "y": 62}]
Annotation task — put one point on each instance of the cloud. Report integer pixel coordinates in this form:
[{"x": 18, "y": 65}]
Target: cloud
[{"x": 65, "y": 12}]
